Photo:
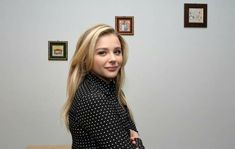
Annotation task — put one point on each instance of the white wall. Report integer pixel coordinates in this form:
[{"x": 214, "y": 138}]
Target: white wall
[{"x": 180, "y": 81}]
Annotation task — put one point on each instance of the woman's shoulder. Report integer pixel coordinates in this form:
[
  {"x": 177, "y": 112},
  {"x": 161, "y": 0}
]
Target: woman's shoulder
[
  {"x": 85, "y": 89},
  {"x": 87, "y": 93},
  {"x": 84, "y": 95}
]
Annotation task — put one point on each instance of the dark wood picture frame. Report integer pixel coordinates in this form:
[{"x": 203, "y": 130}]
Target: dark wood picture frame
[
  {"x": 58, "y": 50},
  {"x": 195, "y": 15},
  {"x": 124, "y": 25}
]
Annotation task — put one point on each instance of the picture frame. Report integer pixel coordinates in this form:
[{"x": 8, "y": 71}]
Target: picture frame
[
  {"x": 58, "y": 50},
  {"x": 195, "y": 15},
  {"x": 124, "y": 25}
]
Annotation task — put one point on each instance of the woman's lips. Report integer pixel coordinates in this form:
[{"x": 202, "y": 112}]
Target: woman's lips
[{"x": 111, "y": 68}]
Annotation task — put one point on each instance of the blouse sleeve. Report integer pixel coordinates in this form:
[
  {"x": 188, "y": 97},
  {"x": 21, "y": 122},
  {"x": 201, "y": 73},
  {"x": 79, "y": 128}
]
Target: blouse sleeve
[
  {"x": 131, "y": 124},
  {"x": 98, "y": 118}
]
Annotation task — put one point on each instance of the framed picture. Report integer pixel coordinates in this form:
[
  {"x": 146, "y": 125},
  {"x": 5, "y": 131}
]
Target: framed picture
[
  {"x": 58, "y": 50},
  {"x": 124, "y": 25},
  {"x": 195, "y": 15}
]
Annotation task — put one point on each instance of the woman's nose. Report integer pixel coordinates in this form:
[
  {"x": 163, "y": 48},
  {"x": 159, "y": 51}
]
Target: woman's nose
[{"x": 112, "y": 57}]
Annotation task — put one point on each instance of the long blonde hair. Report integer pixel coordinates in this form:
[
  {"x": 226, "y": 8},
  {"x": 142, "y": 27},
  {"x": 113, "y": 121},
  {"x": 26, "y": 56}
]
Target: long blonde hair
[{"x": 82, "y": 62}]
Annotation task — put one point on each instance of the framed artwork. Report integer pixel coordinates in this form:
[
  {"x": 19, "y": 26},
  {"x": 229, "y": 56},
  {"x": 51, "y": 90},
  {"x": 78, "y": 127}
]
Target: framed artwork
[
  {"x": 58, "y": 50},
  {"x": 195, "y": 15},
  {"x": 124, "y": 25}
]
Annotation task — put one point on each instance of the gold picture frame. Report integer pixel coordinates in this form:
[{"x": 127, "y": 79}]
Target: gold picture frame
[
  {"x": 58, "y": 50},
  {"x": 124, "y": 25}
]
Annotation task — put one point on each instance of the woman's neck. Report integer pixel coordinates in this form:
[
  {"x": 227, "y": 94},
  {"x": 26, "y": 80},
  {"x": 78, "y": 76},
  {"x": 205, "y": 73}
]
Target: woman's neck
[{"x": 107, "y": 80}]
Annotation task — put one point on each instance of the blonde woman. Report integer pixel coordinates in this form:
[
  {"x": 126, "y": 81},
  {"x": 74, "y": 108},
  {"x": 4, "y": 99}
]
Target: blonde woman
[{"x": 96, "y": 112}]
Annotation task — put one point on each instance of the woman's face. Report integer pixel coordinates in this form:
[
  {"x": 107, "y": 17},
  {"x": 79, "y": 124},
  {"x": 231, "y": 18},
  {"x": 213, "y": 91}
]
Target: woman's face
[{"x": 108, "y": 57}]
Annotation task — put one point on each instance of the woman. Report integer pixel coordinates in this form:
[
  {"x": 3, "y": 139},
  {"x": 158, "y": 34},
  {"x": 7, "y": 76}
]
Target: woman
[{"x": 96, "y": 112}]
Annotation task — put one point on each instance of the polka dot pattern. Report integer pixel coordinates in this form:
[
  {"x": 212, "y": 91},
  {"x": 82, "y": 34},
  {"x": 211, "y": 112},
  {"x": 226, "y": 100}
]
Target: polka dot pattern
[{"x": 96, "y": 119}]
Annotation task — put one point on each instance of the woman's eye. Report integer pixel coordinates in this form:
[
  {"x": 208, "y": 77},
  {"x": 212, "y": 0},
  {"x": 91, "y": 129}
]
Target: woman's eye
[
  {"x": 118, "y": 52},
  {"x": 101, "y": 53}
]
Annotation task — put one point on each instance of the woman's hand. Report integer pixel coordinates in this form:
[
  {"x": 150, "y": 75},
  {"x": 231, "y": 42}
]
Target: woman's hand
[{"x": 133, "y": 136}]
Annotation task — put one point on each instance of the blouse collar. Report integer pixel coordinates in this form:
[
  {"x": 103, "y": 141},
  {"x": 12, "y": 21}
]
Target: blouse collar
[{"x": 105, "y": 87}]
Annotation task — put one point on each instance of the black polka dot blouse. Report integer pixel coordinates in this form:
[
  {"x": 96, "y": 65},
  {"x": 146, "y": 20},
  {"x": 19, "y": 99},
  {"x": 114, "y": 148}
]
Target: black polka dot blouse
[{"x": 96, "y": 119}]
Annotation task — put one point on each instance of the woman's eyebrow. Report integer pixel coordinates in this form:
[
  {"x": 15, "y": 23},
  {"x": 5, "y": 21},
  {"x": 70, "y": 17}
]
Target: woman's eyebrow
[
  {"x": 116, "y": 48},
  {"x": 101, "y": 49}
]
